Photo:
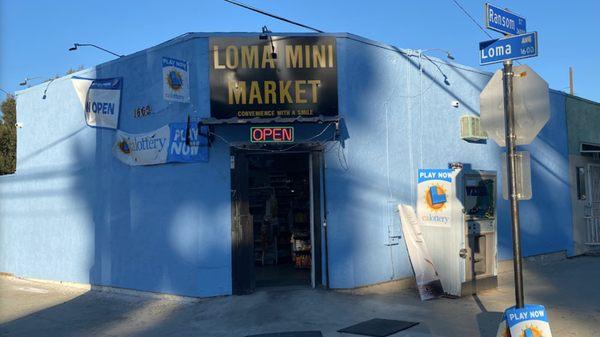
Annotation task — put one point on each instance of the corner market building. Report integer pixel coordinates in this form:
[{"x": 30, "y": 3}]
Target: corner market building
[{"x": 224, "y": 212}]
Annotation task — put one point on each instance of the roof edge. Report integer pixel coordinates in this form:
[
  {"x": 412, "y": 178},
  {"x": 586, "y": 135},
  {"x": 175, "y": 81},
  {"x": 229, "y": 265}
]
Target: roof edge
[
  {"x": 579, "y": 98},
  {"x": 198, "y": 35}
]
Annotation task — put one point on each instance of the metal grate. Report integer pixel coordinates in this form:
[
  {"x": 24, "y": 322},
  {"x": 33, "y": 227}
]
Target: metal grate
[{"x": 592, "y": 210}]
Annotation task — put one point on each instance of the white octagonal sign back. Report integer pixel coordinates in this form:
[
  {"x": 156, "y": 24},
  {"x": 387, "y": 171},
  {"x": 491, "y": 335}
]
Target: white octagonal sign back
[{"x": 531, "y": 100}]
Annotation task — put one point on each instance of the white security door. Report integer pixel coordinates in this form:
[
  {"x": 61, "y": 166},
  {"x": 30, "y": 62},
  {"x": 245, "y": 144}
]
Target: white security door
[{"x": 592, "y": 211}]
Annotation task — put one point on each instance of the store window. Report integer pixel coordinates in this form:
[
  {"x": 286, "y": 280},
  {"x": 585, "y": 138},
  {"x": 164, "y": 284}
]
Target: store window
[{"x": 581, "y": 192}]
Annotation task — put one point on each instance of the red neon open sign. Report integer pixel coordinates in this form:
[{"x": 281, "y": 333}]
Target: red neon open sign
[{"x": 281, "y": 134}]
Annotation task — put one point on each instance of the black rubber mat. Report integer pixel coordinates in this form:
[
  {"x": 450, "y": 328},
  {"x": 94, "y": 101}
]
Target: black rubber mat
[
  {"x": 291, "y": 334},
  {"x": 378, "y": 327}
]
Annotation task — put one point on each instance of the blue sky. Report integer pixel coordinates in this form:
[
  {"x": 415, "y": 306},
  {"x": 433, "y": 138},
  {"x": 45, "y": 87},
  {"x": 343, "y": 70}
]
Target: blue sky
[{"x": 36, "y": 35}]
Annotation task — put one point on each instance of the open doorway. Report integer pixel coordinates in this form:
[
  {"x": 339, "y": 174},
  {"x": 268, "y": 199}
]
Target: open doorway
[
  {"x": 279, "y": 202},
  {"x": 276, "y": 229}
]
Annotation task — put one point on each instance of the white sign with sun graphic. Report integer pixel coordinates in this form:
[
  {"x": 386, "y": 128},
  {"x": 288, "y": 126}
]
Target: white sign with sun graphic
[
  {"x": 530, "y": 321},
  {"x": 176, "y": 80},
  {"x": 435, "y": 193}
]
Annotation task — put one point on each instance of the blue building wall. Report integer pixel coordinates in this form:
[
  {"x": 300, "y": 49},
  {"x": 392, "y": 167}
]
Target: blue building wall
[
  {"x": 72, "y": 212},
  {"x": 397, "y": 120}
]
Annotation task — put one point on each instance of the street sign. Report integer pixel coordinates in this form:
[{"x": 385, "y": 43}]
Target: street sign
[
  {"x": 504, "y": 21},
  {"x": 508, "y": 48},
  {"x": 522, "y": 175},
  {"x": 511, "y": 119},
  {"x": 531, "y": 104}
]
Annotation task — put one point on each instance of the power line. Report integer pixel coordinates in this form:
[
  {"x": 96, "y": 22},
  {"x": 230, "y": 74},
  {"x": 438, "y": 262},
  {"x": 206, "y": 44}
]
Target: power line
[
  {"x": 470, "y": 17},
  {"x": 474, "y": 21},
  {"x": 273, "y": 15},
  {"x": 377, "y": 45}
]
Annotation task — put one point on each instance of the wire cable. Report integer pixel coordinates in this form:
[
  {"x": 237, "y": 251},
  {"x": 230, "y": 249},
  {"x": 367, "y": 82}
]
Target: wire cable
[
  {"x": 387, "y": 151},
  {"x": 342, "y": 160},
  {"x": 394, "y": 49},
  {"x": 472, "y": 19},
  {"x": 273, "y": 15},
  {"x": 478, "y": 25}
]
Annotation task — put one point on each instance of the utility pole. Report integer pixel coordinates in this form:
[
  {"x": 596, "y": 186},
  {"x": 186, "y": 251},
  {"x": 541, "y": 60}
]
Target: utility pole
[
  {"x": 571, "y": 89},
  {"x": 532, "y": 115},
  {"x": 511, "y": 137}
]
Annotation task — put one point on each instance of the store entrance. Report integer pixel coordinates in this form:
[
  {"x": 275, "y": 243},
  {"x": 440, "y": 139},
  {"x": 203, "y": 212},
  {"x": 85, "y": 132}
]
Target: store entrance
[
  {"x": 279, "y": 201},
  {"x": 276, "y": 219}
]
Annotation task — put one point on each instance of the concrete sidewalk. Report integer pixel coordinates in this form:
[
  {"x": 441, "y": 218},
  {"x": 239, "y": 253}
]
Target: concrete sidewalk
[{"x": 569, "y": 289}]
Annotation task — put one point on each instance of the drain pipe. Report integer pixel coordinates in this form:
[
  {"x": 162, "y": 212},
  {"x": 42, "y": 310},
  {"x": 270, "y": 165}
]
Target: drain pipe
[{"x": 325, "y": 224}]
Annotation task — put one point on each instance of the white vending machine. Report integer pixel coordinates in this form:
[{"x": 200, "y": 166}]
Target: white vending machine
[
  {"x": 456, "y": 209},
  {"x": 479, "y": 255}
]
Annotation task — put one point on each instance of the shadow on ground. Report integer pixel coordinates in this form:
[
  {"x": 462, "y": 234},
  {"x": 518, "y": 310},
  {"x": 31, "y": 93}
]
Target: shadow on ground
[{"x": 39, "y": 309}]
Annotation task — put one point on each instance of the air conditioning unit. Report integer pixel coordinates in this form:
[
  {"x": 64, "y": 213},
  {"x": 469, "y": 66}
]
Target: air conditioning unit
[{"x": 470, "y": 129}]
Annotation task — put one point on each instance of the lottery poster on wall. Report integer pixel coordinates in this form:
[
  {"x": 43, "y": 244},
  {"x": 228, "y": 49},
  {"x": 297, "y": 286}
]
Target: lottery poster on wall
[
  {"x": 176, "y": 80},
  {"x": 148, "y": 148},
  {"x": 100, "y": 100},
  {"x": 435, "y": 192},
  {"x": 179, "y": 151},
  {"x": 165, "y": 145}
]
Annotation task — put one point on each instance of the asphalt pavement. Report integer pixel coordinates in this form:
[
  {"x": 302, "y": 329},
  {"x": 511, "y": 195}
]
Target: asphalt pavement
[{"x": 570, "y": 290}]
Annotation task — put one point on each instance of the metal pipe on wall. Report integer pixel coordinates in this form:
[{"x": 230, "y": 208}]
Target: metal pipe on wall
[{"x": 325, "y": 238}]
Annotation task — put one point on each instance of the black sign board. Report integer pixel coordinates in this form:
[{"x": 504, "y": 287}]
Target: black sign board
[{"x": 285, "y": 77}]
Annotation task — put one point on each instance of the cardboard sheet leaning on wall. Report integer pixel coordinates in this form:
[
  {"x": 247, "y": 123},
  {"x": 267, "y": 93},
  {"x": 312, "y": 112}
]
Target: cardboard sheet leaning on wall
[
  {"x": 428, "y": 282},
  {"x": 164, "y": 145}
]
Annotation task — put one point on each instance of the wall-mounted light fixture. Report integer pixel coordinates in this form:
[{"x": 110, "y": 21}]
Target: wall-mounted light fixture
[
  {"x": 448, "y": 55},
  {"x": 266, "y": 34},
  {"x": 46, "y": 90},
  {"x": 27, "y": 79},
  {"x": 77, "y": 45}
]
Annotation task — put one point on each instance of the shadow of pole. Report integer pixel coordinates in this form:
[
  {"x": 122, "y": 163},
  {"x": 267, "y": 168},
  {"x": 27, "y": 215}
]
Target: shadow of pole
[{"x": 487, "y": 321}]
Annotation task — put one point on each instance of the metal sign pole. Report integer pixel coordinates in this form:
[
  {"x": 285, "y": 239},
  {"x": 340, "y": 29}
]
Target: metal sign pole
[{"x": 511, "y": 138}]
